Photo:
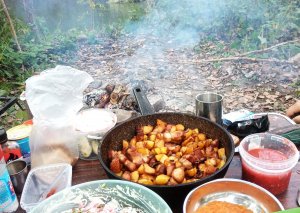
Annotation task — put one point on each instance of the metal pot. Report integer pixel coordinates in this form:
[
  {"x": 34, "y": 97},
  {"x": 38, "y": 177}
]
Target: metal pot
[{"x": 173, "y": 195}]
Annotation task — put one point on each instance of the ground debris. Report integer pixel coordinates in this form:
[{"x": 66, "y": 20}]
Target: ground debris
[{"x": 173, "y": 74}]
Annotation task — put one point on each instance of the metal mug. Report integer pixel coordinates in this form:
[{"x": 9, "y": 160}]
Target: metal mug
[
  {"x": 209, "y": 105},
  {"x": 18, "y": 171}
]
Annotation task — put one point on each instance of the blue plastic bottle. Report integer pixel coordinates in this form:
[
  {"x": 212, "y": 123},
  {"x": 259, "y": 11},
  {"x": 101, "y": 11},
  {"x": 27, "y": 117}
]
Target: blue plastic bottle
[{"x": 8, "y": 198}]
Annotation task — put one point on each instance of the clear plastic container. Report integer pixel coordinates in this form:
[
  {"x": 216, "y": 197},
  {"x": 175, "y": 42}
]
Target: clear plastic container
[
  {"x": 88, "y": 147},
  {"x": 92, "y": 124},
  {"x": 44, "y": 181},
  {"x": 268, "y": 160},
  {"x": 95, "y": 121}
]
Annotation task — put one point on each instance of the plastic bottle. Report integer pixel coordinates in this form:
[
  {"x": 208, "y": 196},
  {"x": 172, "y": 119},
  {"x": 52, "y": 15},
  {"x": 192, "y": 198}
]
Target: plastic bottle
[
  {"x": 8, "y": 198},
  {"x": 10, "y": 149}
]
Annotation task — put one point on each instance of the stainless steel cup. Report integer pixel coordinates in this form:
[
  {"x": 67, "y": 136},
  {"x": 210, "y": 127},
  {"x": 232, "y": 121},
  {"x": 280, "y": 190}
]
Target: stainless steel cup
[
  {"x": 209, "y": 105},
  {"x": 18, "y": 171}
]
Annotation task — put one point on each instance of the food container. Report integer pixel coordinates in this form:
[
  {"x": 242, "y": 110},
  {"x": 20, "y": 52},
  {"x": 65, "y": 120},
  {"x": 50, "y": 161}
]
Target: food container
[
  {"x": 173, "y": 194},
  {"x": 20, "y": 134},
  {"x": 93, "y": 124},
  {"x": 88, "y": 147},
  {"x": 268, "y": 160},
  {"x": 44, "y": 181},
  {"x": 114, "y": 195},
  {"x": 11, "y": 150},
  {"x": 229, "y": 190}
]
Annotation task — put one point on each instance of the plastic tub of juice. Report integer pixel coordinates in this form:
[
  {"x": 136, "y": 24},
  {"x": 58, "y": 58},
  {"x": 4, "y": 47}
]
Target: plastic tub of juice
[{"x": 268, "y": 160}]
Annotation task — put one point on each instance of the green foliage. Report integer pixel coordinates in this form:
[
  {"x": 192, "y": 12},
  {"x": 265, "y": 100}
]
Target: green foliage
[
  {"x": 52, "y": 37},
  {"x": 241, "y": 25},
  {"x": 296, "y": 87},
  {"x": 35, "y": 56},
  {"x": 10, "y": 62},
  {"x": 245, "y": 24}
]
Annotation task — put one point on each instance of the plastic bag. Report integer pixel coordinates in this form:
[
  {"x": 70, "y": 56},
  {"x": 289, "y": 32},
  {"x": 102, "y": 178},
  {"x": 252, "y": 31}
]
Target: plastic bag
[
  {"x": 248, "y": 127},
  {"x": 54, "y": 97}
]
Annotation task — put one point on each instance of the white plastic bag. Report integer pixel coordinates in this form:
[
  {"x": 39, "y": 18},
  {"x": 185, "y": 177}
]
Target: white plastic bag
[{"x": 54, "y": 97}]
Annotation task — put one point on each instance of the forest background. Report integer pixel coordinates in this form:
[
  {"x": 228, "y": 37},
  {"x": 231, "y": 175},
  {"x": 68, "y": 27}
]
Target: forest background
[{"x": 36, "y": 35}]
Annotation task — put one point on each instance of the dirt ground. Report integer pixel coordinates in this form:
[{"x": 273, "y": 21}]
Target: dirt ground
[{"x": 173, "y": 77}]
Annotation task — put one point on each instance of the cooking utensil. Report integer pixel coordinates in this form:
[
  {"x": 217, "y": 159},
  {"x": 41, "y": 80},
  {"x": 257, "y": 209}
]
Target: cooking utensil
[
  {"x": 142, "y": 101},
  {"x": 18, "y": 171},
  {"x": 126, "y": 194},
  {"x": 174, "y": 195},
  {"x": 234, "y": 191},
  {"x": 209, "y": 105}
]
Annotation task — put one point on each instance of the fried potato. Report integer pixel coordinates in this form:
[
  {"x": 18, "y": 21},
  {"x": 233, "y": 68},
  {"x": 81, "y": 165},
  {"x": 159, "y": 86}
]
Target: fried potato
[{"x": 167, "y": 154}]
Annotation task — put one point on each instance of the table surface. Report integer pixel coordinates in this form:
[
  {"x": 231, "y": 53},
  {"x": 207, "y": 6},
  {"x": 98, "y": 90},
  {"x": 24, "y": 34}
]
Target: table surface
[{"x": 85, "y": 171}]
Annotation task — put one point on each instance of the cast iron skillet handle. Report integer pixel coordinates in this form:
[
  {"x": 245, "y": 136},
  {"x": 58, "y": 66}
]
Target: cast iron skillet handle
[{"x": 142, "y": 101}]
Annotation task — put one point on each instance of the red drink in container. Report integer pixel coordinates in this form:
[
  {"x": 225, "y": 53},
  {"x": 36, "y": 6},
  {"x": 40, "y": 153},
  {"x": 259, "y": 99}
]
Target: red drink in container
[{"x": 268, "y": 160}]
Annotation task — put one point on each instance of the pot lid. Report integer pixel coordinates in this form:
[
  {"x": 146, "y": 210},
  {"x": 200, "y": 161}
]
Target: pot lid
[{"x": 95, "y": 121}]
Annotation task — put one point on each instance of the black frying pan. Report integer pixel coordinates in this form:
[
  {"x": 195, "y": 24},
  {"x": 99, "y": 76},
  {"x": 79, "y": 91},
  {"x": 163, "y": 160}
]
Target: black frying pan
[{"x": 173, "y": 195}]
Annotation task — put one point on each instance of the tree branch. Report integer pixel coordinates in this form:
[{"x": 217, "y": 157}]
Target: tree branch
[
  {"x": 269, "y": 48},
  {"x": 12, "y": 28},
  {"x": 237, "y": 59}
]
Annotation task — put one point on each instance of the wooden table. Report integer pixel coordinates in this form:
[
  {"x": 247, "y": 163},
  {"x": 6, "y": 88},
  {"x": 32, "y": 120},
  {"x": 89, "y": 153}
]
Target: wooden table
[
  {"x": 85, "y": 171},
  {"x": 91, "y": 170}
]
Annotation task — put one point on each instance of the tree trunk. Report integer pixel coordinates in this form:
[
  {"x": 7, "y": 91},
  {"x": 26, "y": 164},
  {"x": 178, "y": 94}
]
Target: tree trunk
[
  {"x": 12, "y": 28},
  {"x": 29, "y": 15}
]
